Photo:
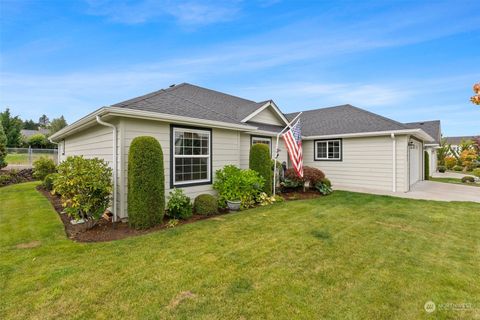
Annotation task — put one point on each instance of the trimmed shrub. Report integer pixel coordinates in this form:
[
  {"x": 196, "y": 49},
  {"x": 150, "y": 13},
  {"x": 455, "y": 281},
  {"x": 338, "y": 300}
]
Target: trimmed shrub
[
  {"x": 468, "y": 157},
  {"x": 49, "y": 181},
  {"x": 476, "y": 172},
  {"x": 38, "y": 140},
  {"x": 261, "y": 162},
  {"x": 450, "y": 162},
  {"x": 468, "y": 179},
  {"x": 85, "y": 186},
  {"x": 3, "y": 147},
  {"x": 205, "y": 204},
  {"x": 311, "y": 175},
  {"x": 457, "y": 168},
  {"x": 146, "y": 183},
  {"x": 326, "y": 182},
  {"x": 43, "y": 167},
  {"x": 179, "y": 205},
  {"x": 441, "y": 169},
  {"x": 234, "y": 184},
  {"x": 426, "y": 159}
]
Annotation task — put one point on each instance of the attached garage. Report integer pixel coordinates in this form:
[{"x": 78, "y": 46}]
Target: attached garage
[{"x": 415, "y": 161}]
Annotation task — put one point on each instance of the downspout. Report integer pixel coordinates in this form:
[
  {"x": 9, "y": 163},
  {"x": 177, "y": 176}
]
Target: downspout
[
  {"x": 114, "y": 154},
  {"x": 394, "y": 162}
]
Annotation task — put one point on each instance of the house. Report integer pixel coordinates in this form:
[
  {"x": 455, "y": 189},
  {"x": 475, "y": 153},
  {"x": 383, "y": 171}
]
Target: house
[
  {"x": 433, "y": 128},
  {"x": 455, "y": 142},
  {"x": 202, "y": 130}
]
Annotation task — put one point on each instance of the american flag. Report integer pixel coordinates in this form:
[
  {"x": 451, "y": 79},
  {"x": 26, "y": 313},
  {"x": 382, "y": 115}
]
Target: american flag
[{"x": 293, "y": 142}]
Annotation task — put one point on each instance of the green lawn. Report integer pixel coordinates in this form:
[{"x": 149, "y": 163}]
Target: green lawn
[
  {"x": 24, "y": 159},
  {"x": 345, "y": 256},
  {"x": 454, "y": 181}
]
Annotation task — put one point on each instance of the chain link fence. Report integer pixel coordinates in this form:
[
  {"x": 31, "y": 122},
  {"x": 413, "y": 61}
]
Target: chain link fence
[{"x": 24, "y": 157}]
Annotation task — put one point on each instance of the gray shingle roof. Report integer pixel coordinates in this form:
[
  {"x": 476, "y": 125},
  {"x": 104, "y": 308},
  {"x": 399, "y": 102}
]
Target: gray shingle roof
[
  {"x": 192, "y": 101},
  {"x": 342, "y": 120},
  {"x": 457, "y": 140},
  {"x": 430, "y": 127}
]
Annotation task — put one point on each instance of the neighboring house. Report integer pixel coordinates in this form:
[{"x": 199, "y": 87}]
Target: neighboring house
[
  {"x": 28, "y": 133},
  {"x": 202, "y": 130},
  {"x": 433, "y": 128},
  {"x": 455, "y": 142}
]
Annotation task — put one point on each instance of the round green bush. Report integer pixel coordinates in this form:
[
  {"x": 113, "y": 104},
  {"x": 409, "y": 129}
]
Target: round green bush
[
  {"x": 468, "y": 179},
  {"x": 49, "y": 180},
  {"x": 179, "y": 205},
  {"x": 441, "y": 169},
  {"x": 476, "y": 172},
  {"x": 457, "y": 168},
  {"x": 146, "y": 183},
  {"x": 261, "y": 162},
  {"x": 205, "y": 204},
  {"x": 42, "y": 167}
]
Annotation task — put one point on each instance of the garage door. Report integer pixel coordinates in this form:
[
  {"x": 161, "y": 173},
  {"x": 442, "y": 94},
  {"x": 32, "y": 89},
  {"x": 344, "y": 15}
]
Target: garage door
[{"x": 415, "y": 152}]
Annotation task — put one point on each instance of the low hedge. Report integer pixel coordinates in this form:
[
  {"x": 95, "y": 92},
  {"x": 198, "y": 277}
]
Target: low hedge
[
  {"x": 457, "y": 168},
  {"x": 43, "y": 167},
  {"x": 205, "y": 204},
  {"x": 468, "y": 179},
  {"x": 49, "y": 181}
]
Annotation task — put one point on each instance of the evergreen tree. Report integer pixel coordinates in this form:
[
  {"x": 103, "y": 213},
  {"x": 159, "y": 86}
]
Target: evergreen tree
[
  {"x": 11, "y": 127},
  {"x": 3, "y": 147}
]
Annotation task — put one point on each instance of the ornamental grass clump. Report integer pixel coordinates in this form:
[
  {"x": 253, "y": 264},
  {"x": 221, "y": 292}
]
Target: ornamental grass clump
[{"x": 146, "y": 183}]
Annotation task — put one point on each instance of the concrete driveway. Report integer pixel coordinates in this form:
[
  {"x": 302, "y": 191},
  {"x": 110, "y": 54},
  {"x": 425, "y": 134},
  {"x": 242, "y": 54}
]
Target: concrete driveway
[{"x": 429, "y": 190}]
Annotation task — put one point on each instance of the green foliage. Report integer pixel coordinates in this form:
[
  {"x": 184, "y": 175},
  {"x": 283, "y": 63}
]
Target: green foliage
[
  {"x": 3, "y": 147},
  {"x": 179, "y": 205},
  {"x": 291, "y": 184},
  {"x": 146, "y": 183},
  {"x": 30, "y": 125},
  {"x": 324, "y": 186},
  {"x": 261, "y": 162},
  {"x": 457, "y": 168},
  {"x": 43, "y": 121},
  {"x": 172, "y": 223},
  {"x": 426, "y": 159},
  {"x": 234, "y": 184},
  {"x": 37, "y": 140},
  {"x": 12, "y": 127},
  {"x": 49, "y": 181},
  {"x": 468, "y": 179},
  {"x": 42, "y": 167},
  {"x": 85, "y": 186},
  {"x": 476, "y": 172},
  {"x": 57, "y": 124},
  {"x": 442, "y": 169},
  {"x": 205, "y": 204},
  {"x": 264, "y": 199}
]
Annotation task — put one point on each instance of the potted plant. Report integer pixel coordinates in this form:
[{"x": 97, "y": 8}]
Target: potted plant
[{"x": 234, "y": 205}]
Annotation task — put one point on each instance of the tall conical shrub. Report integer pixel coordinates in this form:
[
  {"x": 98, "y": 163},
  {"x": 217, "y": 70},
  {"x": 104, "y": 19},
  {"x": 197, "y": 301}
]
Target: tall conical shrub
[
  {"x": 3, "y": 147},
  {"x": 146, "y": 183},
  {"x": 260, "y": 161}
]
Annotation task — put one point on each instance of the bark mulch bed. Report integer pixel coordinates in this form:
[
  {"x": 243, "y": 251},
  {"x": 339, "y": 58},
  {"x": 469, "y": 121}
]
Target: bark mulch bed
[
  {"x": 13, "y": 176},
  {"x": 300, "y": 195},
  {"x": 106, "y": 230}
]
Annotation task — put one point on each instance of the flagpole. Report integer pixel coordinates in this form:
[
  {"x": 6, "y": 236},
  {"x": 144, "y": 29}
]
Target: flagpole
[{"x": 276, "y": 152}]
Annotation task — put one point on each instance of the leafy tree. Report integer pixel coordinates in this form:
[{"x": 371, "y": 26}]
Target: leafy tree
[
  {"x": 37, "y": 141},
  {"x": 43, "y": 121},
  {"x": 3, "y": 147},
  {"x": 57, "y": 124},
  {"x": 12, "y": 127},
  {"x": 476, "y": 98},
  {"x": 30, "y": 125}
]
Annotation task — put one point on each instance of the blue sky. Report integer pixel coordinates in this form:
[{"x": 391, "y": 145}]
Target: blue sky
[{"x": 408, "y": 60}]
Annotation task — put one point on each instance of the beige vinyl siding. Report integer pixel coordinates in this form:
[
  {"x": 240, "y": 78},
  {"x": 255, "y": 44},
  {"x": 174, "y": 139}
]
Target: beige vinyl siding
[
  {"x": 245, "y": 143},
  {"x": 225, "y": 145},
  {"x": 268, "y": 116},
  {"x": 367, "y": 162}
]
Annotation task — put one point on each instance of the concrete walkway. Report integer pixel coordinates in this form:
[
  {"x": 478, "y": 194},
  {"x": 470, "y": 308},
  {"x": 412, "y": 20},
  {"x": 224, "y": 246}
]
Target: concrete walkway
[
  {"x": 458, "y": 175},
  {"x": 428, "y": 190}
]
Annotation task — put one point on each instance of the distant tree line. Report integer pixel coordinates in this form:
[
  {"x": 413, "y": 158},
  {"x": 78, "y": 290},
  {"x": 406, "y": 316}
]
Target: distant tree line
[{"x": 12, "y": 126}]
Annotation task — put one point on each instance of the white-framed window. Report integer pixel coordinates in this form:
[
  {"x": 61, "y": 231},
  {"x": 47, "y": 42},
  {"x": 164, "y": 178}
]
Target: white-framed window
[
  {"x": 262, "y": 140},
  {"x": 329, "y": 150},
  {"x": 191, "y": 156}
]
